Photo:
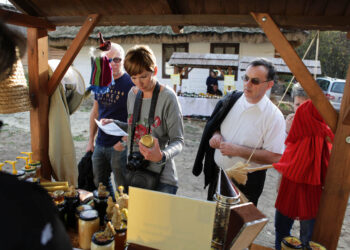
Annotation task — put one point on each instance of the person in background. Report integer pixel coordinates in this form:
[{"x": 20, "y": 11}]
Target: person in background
[
  {"x": 303, "y": 168},
  {"x": 28, "y": 215},
  {"x": 211, "y": 81},
  {"x": 239, "y": 123},
  {"x": 299, "y": 97},
  {"x": 167, "y": 128},
  {"x": 215, "y": 91},
  {"x": 108, "y": 153}
]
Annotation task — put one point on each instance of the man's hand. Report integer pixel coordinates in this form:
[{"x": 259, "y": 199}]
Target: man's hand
[
  {"x": 90, "y": 147},
  {"x": 105, "y": 121},
  {"x": 229, "y": 149},
  {"x": 119, "y": 146},
  {"x": 215, "y": 140},
  {"x": 153, "y": 154}
]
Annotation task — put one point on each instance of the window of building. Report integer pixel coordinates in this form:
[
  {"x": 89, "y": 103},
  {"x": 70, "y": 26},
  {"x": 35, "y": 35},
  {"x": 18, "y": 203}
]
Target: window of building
[
  {"x": 225, "y": 48},
  {"x": 168, "y": 49}
]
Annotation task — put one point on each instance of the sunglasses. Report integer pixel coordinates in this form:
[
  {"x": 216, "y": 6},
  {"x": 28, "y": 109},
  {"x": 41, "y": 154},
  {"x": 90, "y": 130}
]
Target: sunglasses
[
  {"x": 115, "y": 60},
  {"x": 255, "y": 81}
]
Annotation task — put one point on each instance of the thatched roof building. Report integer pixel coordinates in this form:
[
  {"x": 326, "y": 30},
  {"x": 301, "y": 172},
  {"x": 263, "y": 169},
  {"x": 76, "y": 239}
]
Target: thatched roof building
[{"x": 63, "y": 35}]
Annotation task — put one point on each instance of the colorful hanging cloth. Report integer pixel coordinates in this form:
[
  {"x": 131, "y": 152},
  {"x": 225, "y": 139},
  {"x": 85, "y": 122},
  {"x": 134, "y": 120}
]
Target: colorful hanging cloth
[
  {"x": 101, "y": 70},
  {"x": 303, "y": 164}
]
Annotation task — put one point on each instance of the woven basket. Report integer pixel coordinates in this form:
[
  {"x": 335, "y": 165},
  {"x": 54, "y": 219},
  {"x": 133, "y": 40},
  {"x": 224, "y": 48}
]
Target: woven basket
[{"x": 14, "y": 92}]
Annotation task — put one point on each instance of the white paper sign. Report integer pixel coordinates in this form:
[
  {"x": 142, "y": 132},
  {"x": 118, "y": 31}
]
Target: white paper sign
[{"x": 111, "y": 129}]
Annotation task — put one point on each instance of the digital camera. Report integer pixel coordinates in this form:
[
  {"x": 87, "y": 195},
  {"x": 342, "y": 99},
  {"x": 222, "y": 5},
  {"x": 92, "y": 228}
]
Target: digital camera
[{"x": 136, "y": 161}]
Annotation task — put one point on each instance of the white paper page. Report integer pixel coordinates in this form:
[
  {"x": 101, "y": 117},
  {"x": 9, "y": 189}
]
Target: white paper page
[
  {"x": 169, "y": 222},
  {"x": 111, "y": 129}
]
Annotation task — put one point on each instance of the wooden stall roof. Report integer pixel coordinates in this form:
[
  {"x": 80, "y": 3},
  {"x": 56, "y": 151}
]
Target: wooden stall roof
[
  {"x": 196, "y": 60},
  {"x": 314, "y": 66},
  {"x": 290, "y": 14}
]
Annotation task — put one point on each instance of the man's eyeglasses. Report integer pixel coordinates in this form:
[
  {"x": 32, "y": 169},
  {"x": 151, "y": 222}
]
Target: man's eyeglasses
[
  {"x": 255, "y": 81},
  {"x": 115, "y": 60}
]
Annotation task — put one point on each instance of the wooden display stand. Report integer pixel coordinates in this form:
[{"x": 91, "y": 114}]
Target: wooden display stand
[{"x": 245, "y": 223}]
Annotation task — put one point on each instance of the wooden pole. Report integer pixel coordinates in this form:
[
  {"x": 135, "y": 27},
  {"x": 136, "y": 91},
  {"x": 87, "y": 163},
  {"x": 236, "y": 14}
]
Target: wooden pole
[
  {"x": 38, "y": 74},
  {"x": 72, "y": 52},
  {"x": 298, "y": 68},
  {"x": 335, "y": 195},
  {"x": 336, "y": 192}
]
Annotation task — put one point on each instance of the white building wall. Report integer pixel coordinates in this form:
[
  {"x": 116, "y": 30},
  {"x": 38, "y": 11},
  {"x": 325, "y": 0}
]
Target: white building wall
[{"x": 196, "y": 78}]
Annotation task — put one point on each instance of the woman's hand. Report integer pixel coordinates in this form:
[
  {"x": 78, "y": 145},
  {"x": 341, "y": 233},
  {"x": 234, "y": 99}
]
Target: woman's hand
[
  {"x": 105, "y": 121},
  {"x": 153, "y": 154},
  {"x": 215, "y": 140},
  {"x": 289, "y": 121},
  {"x": 120, "y": 145}
]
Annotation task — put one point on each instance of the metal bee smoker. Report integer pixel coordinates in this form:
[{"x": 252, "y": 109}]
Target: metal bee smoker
[{"x": 226, "y": 197}]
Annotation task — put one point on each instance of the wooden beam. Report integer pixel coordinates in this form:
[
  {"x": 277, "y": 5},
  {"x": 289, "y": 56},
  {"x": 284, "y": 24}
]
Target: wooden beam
[
  {"x": 288, "y": 22},
  {"x": 334, "y": 199},
  {"x": 37, "y": 46},
  {"x": 298, "y": 68},
  {"x": 72, "y": 52},
  {"x": 27, "y": 7},
  {"x": 25, "y": 20}
]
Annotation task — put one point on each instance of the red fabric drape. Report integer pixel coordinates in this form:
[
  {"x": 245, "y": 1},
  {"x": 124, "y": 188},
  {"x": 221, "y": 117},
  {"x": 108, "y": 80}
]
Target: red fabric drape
[{"x": 303, "y": 164}]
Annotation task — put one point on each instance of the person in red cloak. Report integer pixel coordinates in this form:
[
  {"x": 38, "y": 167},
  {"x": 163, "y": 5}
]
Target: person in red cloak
[{"x": 303, "y": 168}]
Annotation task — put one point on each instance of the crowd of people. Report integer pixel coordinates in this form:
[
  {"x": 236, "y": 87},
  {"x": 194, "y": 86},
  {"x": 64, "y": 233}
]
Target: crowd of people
[{"x": 244, "y": 125}]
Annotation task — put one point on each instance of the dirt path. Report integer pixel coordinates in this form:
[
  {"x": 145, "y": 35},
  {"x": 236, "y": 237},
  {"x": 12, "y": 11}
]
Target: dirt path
[{"x": 15, "y": 137}]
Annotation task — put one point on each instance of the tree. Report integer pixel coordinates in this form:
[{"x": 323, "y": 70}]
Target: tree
[{"x": 334, "y": 52}]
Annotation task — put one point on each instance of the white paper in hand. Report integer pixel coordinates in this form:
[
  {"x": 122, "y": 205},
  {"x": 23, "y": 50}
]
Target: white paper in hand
[{"x": 111, "y": 129}]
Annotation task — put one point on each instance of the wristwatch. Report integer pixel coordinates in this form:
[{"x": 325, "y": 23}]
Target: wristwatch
[{"x": 163, "y": 160}]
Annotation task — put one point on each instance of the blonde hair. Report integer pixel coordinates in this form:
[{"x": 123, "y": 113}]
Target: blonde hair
[{"x": 138, "y": 59}]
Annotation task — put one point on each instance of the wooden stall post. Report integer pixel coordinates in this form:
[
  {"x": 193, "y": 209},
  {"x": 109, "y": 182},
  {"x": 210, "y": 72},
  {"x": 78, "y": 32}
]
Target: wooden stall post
[
  {"x": 38, "y": 74},
  {"x": 337, "y": 184},
  {"x": 335, "y": 195},
  {"x": 176, "y": 71}
]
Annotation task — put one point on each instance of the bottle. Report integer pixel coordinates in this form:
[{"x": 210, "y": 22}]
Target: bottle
[
  {"x": 100, "y": 242},
  {"x": 226, "y": 197},
  {"x": 72, "y": 202},
  {"x": 32, "y": 163},
  {"x": 89, "y": 223},
  {"x": 100, "y": 201},
  {"x": 18, "y": 173},
  {"x": 30, "y": 171}
]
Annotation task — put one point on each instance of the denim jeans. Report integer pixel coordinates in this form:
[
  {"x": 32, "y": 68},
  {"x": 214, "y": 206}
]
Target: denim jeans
[
  {"x": 283, "y": 225},
  {"x": 167, "y": 188},
  {"x": 106, "y": 160}
]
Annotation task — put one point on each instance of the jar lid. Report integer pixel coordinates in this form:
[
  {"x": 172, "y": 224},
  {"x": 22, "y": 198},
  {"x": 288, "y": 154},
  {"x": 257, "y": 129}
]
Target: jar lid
[
  {"x": 292, "y": 242},
  {"x": 99, "y": 239},
  {"x": 82, "y": 208},
  {"x": 88, "y": 214}
]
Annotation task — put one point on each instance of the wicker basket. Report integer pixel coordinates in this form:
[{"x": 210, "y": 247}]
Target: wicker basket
[{"x": 14, "y": 93}]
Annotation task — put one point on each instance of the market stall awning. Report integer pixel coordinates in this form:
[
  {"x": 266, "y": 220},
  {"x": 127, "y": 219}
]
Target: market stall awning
[
  {"x": 314, "y": 66},
  {"x": 207, "y": 60}
]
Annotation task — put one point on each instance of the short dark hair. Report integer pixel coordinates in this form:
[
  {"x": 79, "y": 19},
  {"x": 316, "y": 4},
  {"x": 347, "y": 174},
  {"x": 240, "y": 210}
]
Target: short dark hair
[
  {"x": 138, "y": 59},
  {"x": 271, "y": 70}
]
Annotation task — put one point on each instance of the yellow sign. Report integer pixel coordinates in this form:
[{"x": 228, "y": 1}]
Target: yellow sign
[
  {"x": 175, "y": 79},
  {"x": 168, "y": 222},
  {"x": 229, "y": 84}
]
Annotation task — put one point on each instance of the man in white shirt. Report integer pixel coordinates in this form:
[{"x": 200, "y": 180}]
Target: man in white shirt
[{"x": 253, "y": 121}]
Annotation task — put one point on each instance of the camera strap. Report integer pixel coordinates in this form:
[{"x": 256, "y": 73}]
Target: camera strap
[{"x": 137, "y": 112}]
